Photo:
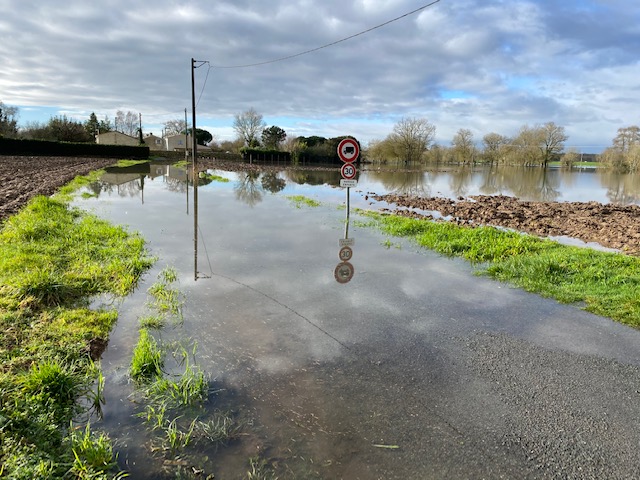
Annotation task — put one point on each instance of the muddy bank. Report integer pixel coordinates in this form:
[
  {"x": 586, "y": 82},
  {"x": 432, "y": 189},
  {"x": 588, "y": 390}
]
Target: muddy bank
[
  {"x": 612, "y": 226},
  {"x": 22, "y": 178}
]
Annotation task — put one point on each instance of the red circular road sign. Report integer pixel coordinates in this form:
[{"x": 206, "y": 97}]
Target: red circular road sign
[
  {"x": 348, "y": 171},
  {"x": 343, "y": 272},
  {"x": 348, "y": 150},
  {"x": 345, "y": 254}
]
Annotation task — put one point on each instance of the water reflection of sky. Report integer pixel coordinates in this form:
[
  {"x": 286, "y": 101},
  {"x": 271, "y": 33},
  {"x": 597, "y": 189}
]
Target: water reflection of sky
[
  {"x": 530, "y": 184},
  {"x": 271, "y": 321}
]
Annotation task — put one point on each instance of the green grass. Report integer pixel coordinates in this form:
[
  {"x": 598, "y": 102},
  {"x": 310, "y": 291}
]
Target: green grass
[
  {"x": 93, "y": 454},
  {"x": 576, "y": 164},
  {"x": 53, "y": 260},
  {"x": 130, "y": 163},
  {"x": 147, "y": 360},
  {"x": 166, "y": 299},
  {"x": 605, "y": 283},
  {"x": 300, "y": 200},
  {"x": 260, "y": 469},
  {"x": 67, "y": 192},
  {"x": 209, "y": 177}
]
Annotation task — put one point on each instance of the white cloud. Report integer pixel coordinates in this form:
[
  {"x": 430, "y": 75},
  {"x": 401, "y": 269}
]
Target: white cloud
[{"x": 485, "y": 65}]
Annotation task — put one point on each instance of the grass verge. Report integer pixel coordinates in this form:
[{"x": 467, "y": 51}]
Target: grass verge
[
  {"x": 53, "y": 259},
  {"x": 606, "y": 283}
]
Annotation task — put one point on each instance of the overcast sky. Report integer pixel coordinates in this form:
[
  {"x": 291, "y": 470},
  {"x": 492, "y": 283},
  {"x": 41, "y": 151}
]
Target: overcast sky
[{"x": 485, "y": 65}]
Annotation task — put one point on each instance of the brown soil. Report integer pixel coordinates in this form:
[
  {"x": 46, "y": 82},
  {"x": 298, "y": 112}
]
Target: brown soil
[
  {"x": 612, "y": 226},
  {"x": 24, "y": 177},
  {"x": 609, "y": 225}
]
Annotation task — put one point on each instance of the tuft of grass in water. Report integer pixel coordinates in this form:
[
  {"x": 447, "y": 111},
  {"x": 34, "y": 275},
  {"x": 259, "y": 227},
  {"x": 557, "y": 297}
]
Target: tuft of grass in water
[
  {"x": 300, "y": 200},
  {"x": 174, "y": 403},
  {"x": 130, "y": 163},
  {"x": 192, "y": 387},
  {"x": 166, "y": 299},
  {"x": 93, "y": 454},
  {"x": 148, "y": 359},
  {"x": 155, "y": 322},
  {"x": 210, "y": 177},
  {"x": 260, "y": 469},
  {"x": 177, "y": 438},
  {"x": 66, "y": 192},
  {"x": 220, "y": 429},
  {"x": 607, "y": 283}
]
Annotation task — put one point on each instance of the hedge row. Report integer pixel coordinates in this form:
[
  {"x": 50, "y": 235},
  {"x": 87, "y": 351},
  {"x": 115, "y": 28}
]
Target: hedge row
[
  {"x": 261, "y": 154},
  {"x": 12, "y": 146}
]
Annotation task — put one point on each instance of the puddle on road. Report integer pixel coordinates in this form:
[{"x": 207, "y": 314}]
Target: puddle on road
[
  {"x": 334, "y": 371},
  {"x": 277, "y": 314}
]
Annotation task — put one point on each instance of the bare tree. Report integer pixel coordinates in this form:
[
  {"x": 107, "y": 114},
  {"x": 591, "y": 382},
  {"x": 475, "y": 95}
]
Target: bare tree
[
  {"x": 412, "y": 137},
  {"x": 526, "y": 146},
  {"x": 495, "y": 146},
  {"x": 626, "y": 138},
  {"x": 175, "y": 127},
  {"x": 127, "y": 123},
  {"x": 248, "y": 125},
  {"x": 553, "y": 138},
  {"x": 464, "y": 150}
]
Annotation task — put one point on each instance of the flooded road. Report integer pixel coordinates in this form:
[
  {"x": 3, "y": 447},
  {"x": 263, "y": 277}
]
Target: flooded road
[{"x": 414, "y": 368}]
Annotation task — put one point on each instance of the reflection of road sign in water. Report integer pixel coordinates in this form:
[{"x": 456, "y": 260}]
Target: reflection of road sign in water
[
  {"x": 343, "y": 272},
  {"x": 348, "y": 171},
  {"x": 348, "y": 150},
  {"x": 345, "y": 254}
]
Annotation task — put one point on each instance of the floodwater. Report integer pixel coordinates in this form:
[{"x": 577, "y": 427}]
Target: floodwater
[{"x": 398, "y": 364}]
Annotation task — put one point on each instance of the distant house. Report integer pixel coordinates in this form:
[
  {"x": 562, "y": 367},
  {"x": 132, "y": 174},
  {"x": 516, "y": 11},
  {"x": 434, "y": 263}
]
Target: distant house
[
  {"x": 116, "y": 138},
  {"x": 177, "y": 142},
  {"x": 154, "y": 142}
]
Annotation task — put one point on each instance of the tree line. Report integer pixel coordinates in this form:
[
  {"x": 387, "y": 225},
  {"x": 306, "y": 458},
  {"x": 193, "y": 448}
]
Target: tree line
[
  {"x": 411, "y": 141},
  {"x": 61, "y": 128},
  {"x": 253, "y": 134}
]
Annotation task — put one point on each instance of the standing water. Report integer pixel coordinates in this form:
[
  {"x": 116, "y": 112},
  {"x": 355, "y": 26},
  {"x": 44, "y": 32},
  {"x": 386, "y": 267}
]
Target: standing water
[{"x": 377, "y": 370}]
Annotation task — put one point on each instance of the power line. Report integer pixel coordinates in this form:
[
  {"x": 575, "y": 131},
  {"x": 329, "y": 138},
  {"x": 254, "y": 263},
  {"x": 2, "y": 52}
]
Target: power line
[
  {"x": 205, "y": 79},
  {"x": 306, "y": 52}
]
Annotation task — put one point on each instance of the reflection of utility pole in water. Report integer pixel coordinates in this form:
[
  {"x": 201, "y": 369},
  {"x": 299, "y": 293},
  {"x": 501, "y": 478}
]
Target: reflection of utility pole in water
[
  {"x": 194, "y": 153},
  {"x": 186, "y": 155},
  {"x": 195, "y": 171}
]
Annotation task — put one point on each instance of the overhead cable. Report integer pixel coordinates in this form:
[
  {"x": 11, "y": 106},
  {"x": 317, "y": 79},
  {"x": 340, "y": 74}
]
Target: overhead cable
[{"x": 306, "y": 52}]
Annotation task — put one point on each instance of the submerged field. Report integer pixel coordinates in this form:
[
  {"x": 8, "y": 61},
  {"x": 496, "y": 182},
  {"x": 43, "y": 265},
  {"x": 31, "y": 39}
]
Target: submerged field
[
  {"x": 604, "y": 283},
  {"x": 54, "y": 259}
]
